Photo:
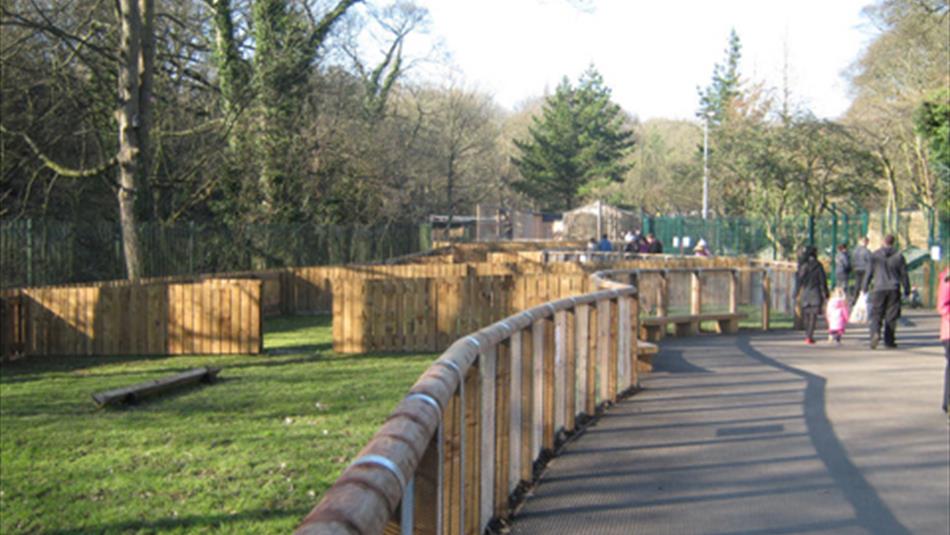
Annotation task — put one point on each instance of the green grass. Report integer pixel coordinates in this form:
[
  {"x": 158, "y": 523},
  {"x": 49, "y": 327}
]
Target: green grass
[{"x": 249, "y": 454}]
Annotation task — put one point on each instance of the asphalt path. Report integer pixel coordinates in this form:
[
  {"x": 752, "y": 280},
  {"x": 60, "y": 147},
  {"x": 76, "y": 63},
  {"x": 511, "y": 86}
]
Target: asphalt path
[{"x": 759, "y": 433}]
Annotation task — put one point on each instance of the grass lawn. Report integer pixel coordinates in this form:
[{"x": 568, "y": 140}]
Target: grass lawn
[{"x": 249, "y": 454}]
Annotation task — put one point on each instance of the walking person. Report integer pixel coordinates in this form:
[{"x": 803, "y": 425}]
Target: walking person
[
  {"x": 836, "y": 314},
  {"x": 888, "y": 272},
  {"x": 811, "y": 285},
  {"x": 860, "y": 262},
  {"x": 943, "y": 306},
  {"x": 843, "y": 268}
]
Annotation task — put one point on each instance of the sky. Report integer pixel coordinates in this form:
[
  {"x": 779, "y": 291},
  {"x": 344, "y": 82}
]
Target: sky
[{"x": 652, "y": 53}]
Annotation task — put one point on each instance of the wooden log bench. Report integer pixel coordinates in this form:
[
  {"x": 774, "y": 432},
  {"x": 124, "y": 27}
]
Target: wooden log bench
[
  {"x": 131, "y": 394},
  {"x": 653, "y": 329}
]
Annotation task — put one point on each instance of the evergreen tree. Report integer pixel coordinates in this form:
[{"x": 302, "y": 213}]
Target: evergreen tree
[
  {"x": 718, "y": 96},
  {"x": 578, "y": 144}
]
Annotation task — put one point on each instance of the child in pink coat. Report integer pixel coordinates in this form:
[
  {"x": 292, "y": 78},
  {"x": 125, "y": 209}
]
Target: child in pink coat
[{"x": 837, "y": 312}]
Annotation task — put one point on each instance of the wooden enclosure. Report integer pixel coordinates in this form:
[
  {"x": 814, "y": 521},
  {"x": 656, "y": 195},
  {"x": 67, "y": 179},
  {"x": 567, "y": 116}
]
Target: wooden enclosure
[{"x": 221, "y": 316}]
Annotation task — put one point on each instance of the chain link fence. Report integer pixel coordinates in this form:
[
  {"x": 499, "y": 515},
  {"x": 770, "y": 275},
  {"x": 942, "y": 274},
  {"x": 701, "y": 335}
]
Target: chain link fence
[{"x": 44, "y": 252}]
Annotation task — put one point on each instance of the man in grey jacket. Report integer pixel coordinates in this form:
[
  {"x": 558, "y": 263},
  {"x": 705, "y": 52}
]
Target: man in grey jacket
[
  {"x": 888, "y": 271},
  {"x": 860, "y": 262}
]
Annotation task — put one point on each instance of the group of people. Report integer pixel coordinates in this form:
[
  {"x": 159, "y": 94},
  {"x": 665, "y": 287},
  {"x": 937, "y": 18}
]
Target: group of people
[
  {"x": 632, "y": 243},
  {"x": 881, "y": 276}
]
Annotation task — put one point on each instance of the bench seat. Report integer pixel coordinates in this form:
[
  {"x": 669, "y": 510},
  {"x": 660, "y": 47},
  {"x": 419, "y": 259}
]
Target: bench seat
[{"x": 654, "y": 328}]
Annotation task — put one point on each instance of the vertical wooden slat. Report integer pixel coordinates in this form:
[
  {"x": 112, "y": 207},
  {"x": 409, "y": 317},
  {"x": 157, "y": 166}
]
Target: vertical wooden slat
[
  {"x": 538, "y": 385},
  {"x": 502, "y": 425},
  {"x": 548, "y": 421},
  {"x": 766, "y": 299},
  {"x": 604, "y": 321},
  {"x": 613, "y": 356},
  {"x": 570, "y": 370},
  {"x": 582, "y": 356},
  {"x": 527, "y": 403},
  {"x": 472, "y": 439},
  {"x": 515, "y": 409},
  {"x": 486, "y": 369},
  {"x": 561, "y": 337},
  {"x": 696, "y": 293},
  {"x": 593, "y": 355}
]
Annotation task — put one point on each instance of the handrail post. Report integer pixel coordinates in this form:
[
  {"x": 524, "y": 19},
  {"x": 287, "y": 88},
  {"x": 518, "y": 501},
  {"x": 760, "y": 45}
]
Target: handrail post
[
  {"x": 766, "y": 299},
  {"x": 527, "y": 403},
  {"x": 548, "y": 427},
  {"x": 614, "y": 371}
]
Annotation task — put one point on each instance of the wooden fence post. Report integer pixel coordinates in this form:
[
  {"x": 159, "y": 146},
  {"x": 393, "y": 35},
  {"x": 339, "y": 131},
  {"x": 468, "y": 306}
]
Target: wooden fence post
[
  {"x": 503, "y": 391},
  {"x": 663, "y": 294},
  {"x": 527, "y": 403},
  {"x": 539, "y": 337},
  {"x": 766, "y": 299},
  {"x": 560, "y": 369},
  {"x": 733, "y": 291},
  {"x": 696, "y": 293},
  {"x": 570, "y": 370}
]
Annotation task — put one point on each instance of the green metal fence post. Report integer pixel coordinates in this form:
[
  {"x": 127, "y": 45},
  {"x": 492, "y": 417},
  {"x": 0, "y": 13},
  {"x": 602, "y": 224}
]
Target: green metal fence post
[{"x": 834, "y": 243}]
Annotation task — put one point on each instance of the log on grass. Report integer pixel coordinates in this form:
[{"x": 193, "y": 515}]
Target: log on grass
[{"x": 133, "y": 393}]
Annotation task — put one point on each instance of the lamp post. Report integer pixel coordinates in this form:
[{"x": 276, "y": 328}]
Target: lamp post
[{"x": 705, "y": 165}]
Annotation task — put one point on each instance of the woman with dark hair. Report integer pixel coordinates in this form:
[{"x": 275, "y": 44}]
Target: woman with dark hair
[{"x": 811, "y": 285}]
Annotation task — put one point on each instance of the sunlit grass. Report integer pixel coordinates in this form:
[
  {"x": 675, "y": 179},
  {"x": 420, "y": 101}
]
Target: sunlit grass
[{"x": 249, "y": 454}]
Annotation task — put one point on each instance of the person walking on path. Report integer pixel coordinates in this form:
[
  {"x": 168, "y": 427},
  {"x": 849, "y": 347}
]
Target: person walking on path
[
  {"x": 860, "y": 262},
  {"x": 888, "y": 272},
  {"x": 842, "y": 267},
  {"x": 836, "y": 314},
  {"x": 811, "y": 285},
  {"x": 943, "y": 306},
  {"x": 605, "y": 246}
]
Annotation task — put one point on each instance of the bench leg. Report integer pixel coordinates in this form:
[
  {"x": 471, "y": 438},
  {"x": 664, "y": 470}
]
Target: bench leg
[
  {"x": 652, "y": 333},
  {"x": 727, "y": 326},
  {"x": 687, "y": 328}
]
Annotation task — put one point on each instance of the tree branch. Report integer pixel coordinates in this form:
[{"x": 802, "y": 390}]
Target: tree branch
[{"x": 57, "y": 168}]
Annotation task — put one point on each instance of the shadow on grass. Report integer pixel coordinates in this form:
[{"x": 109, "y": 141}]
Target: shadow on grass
[{"x": 193, "y": 522}]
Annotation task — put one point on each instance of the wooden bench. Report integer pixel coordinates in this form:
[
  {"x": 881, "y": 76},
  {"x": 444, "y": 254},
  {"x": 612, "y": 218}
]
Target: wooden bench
[
  {"x": 131, "y": 394},
  {"x": 653, "y": 329}
]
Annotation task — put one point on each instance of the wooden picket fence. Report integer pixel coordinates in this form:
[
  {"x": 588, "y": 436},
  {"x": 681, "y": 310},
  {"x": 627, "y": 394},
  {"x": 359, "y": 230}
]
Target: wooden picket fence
[{"x": 221, "y": 316}]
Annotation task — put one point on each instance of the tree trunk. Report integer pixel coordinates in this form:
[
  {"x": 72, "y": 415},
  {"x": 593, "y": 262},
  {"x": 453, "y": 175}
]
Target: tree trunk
[{"x": 128, "y": 117}]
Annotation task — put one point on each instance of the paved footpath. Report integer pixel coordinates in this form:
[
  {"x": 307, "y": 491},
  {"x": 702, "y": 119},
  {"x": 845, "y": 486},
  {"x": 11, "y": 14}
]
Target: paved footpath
[{"x": 761, "y": 434}]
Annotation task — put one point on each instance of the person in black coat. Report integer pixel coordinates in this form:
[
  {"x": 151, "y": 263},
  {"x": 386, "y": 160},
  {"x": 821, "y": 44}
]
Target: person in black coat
[
  {"x": 888, "y": 271},
  {"x": 811, "y": 284}
]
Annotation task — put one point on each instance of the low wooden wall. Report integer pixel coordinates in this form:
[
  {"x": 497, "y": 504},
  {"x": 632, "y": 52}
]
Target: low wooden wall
[{"x": 206, "y": 317}]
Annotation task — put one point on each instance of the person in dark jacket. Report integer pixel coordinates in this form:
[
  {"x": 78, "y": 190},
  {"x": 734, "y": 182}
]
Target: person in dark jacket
[
  {"x": 605, "y": 246},
  {"x": 888, "y": 272},
  {"x": 811, "y": 285},
  {"x": 843, "y": 268},
  {"x": 860, "y": 262},
  {"x": 654, "y": 245}
]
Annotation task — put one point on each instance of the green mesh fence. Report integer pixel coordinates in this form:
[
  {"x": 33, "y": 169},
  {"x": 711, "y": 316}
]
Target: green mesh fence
[{"x": 35, "y": 253}]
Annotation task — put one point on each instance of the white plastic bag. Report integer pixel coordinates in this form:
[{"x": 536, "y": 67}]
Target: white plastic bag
[{"x": 859, "y": 313}]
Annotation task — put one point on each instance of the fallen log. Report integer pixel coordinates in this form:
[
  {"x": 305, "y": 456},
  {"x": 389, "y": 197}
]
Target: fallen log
[{"x": 133, "y": 393}]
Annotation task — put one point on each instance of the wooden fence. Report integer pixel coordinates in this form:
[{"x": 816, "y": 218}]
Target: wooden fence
[
  {"x": 207, "y": 317},
  {"x": 468, "y": 434}
]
